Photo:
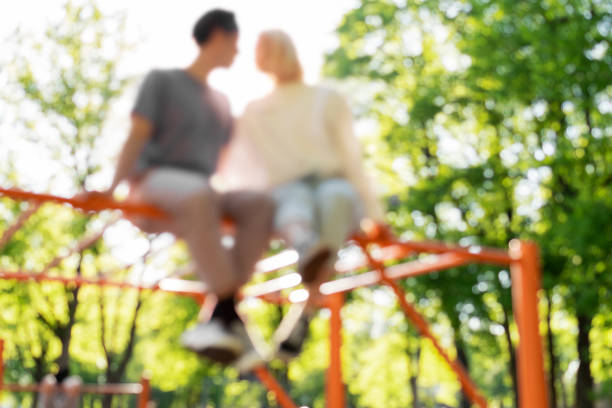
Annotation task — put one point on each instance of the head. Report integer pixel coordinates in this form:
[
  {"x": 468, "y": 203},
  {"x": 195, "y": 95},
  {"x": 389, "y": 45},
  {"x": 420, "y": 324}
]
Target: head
[
  {"x": 216, "y": 33},
  {"x": 275, "y": 55}
]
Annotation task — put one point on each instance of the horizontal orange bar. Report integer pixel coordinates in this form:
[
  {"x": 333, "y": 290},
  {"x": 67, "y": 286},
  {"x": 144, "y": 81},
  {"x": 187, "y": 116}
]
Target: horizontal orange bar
[
  {"x": 405, "y": 270},
  {"x": 474, "y": 253},
  {"x": 91, "y": 204},
  {"x": 188, "y": 288},
  {"x": 123, "y": 389}
]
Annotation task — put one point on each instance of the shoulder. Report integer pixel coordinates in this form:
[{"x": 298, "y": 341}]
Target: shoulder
[
  {"x": 331, "y": 95},
  {"x": 156, "y": 77},
  {"x": 220, "y": 99},
  {"x": 334, "y": 101},
  {"x": 256, "y": 105}
]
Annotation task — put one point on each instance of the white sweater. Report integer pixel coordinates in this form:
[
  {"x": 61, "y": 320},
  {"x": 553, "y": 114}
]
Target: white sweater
[{"x": 299, "y": 130}]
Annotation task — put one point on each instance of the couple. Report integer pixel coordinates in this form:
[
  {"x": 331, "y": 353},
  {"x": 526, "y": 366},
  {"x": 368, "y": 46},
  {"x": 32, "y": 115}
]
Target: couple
[{"x": 314, "y": 194}]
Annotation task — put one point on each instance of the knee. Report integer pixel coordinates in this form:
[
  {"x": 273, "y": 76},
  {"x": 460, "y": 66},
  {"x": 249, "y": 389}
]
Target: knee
[
  {"x": 336, "y": 193},
  {"x": 197, "y": 200},
  {"x": 266, "y": 206}
]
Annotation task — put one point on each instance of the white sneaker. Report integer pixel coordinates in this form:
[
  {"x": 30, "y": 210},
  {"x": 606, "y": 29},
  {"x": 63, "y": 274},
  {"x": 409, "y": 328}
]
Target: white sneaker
[
  {"x": 253, "y": 353},
  {"x": 291, "y": 334},
  {"x": 215, "y": 340}
]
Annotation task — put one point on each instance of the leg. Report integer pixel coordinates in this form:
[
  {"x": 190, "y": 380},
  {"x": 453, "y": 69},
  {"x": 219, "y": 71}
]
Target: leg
[
  {"x": 47, "y": 391},
  {"x": 194, "y": 210},
  {"x": 295, "y": 218},
  {"x": 253, "y": 215},
  {"x": 337, "y": 205},
  {"x": 339, "y": 211},
  {"x": 72, "y": 389}
]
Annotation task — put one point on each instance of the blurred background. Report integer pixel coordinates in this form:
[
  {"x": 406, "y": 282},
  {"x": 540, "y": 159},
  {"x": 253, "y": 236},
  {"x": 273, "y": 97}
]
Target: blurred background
[{"x": 481, "y": 121}]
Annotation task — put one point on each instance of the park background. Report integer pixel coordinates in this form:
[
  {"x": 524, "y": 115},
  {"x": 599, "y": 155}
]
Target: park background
[{"x": 481, "y": 121}]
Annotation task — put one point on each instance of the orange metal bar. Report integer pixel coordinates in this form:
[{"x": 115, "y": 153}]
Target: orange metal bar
[
  {"x": 475, "y": 253},
  {"x": 525, "y": 285},
  {"x": 469, "y": 388},
  {"x": 1, "y": 363},
  {"x": 408, "y": 269},
  {"x": 334, "y": 385},
  {"x": 273, "y": 386},
  {"x": 91, "y": 204},
  {"x": 115, "y": 389},
  {"x": 379, "y": 236},
  {"x": 145, "y": 392},
  {"x": 189, "y": 288}
]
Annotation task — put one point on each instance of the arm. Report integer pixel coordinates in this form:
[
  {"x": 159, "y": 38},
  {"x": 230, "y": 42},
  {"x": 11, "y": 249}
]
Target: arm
[
  {"x": 145, "y": 114},
  {"x": 140, "y": 133},
  {"x": 340, "y": 118}
]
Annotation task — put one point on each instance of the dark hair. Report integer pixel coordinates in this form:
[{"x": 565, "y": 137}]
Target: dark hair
[
  {"x": 212, "y": 20},
  {"x": 62, "y": 374}
]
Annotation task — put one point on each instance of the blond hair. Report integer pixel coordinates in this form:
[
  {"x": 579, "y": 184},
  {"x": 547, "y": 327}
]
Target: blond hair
[{"x": 280, "y": 56}]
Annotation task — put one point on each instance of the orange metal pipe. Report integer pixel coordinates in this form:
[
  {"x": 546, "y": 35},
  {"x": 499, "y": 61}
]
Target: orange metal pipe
[
  {"x": 405, "y": 270},
  {"x": 334, "y": 385},
  {"x": 90, "y": 204},
  {"x": 273, "y": 386},
  {"x": 525, "y": 285},
  {"x": 145, "y": 392},
  {"x": 469, "y": 388},
  {"x": 1, "y": 363},
  {"x": 475, "y": 253},
  {"x": 198, "y": 295},
  {"x": 115, "y": 389}
]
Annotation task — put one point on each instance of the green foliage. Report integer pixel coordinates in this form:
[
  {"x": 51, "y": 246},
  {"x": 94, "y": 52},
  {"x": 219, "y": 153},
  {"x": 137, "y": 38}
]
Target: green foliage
[
  {"x": 493, "y": 122},
  {"x": 485, "y": 121}
]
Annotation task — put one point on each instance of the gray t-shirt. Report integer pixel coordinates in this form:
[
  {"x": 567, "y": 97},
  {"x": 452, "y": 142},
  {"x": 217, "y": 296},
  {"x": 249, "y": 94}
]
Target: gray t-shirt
[{"x": 191, "y": 122}]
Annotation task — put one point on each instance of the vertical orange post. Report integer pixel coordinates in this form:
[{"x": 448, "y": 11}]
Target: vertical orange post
[
  {"x": 1, "y": 363},
  {"x": 335, "y": 386},
  {"x": 525, "y": 272},
  {"x": 145, "y": 392}
]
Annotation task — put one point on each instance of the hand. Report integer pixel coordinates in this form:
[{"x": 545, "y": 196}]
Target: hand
[
  {"x": 376, "y": 230},
  {"x": 95, "y": 200}
]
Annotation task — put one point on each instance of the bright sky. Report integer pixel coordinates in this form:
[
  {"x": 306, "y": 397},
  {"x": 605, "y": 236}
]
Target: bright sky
[{"x": 165, "y": 32}]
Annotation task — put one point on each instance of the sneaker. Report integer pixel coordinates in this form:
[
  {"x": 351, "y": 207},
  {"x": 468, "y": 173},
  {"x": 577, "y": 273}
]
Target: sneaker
[
  {"x": 252, "y": 355},
  {"x": 215, "y": 340},
  {"x": 292, "y": 333}
]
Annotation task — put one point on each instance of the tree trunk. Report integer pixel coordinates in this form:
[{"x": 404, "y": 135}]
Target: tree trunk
[
  {"x": 65, "y": 332},
  {"x": 414, "y": 360},
  {"x": 512, "y": 352},
  {"x": 462, "y": 357},
  {"x": 115, "y": 369},
  {"x": 552, "y": 357},
  {"x": 584, "y": 378}
]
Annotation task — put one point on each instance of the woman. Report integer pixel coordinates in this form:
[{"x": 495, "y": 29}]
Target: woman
[{"x": 303, "y": 142}]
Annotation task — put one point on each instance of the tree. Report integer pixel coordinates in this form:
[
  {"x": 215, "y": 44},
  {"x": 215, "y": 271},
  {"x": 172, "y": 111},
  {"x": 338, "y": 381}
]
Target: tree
[{"x": 492, "y": 123}]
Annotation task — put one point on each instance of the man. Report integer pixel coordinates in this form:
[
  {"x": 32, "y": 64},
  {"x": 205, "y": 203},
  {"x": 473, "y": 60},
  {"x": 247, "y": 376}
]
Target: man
[{"x": 179, "y": 128}]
